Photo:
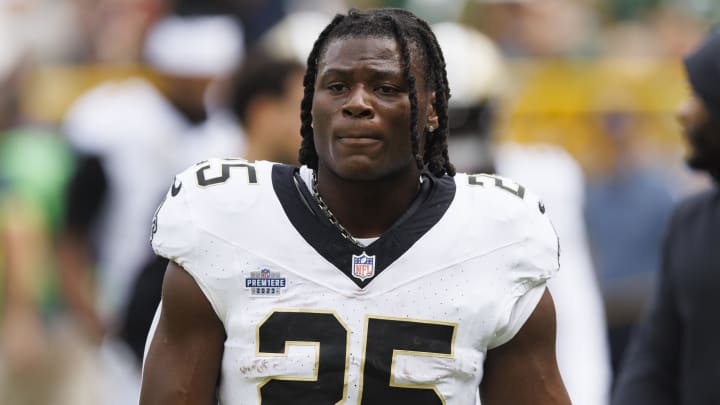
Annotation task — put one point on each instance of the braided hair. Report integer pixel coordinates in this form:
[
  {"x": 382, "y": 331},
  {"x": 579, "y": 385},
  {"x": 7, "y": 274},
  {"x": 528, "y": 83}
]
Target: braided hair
[{"x": 413, "y": 35}]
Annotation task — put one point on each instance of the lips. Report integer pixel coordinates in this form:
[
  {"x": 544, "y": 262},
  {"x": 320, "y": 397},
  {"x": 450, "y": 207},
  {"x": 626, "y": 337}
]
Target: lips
[
  {"x": 357, "y": 135},
  {"x": 358, "y": 138},
  {"x": 358, "y": 141}
]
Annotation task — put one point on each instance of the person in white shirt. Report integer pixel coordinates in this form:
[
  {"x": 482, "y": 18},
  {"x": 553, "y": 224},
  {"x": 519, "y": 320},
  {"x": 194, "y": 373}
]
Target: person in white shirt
[{"x": 131, "y": 135}]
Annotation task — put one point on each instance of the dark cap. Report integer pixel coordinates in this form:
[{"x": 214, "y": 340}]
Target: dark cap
[{"x": 703, "y": 69}]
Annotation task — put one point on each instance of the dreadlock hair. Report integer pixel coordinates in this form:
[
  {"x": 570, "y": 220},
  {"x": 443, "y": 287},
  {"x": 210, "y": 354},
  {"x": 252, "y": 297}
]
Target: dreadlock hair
[{"x": 413, "y": 35}]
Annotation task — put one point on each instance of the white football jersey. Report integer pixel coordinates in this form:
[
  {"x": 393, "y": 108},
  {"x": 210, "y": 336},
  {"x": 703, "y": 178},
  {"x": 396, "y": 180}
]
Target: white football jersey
[{"x": 312, "y": 318}]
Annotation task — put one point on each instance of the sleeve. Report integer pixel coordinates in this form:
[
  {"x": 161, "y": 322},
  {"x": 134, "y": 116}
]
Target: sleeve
[
  {"x": 177, "y": 234},
  {"x": 536, "y": 259},
  {"x": 649, "y": 371},
  {"x": 582, "y": 347},
  {"x": 173, "y": 233}
]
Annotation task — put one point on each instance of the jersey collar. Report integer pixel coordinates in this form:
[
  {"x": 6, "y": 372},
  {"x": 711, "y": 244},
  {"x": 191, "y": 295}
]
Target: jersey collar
[{"x": 309, "y": 221}]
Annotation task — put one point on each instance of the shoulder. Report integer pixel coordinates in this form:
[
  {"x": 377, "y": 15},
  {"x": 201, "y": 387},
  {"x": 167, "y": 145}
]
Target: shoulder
[
  {"x": 695, "y": 211},
  {"x": 111, "y": 112},
  {"x": 205, "y": 198},
  {"x": 221, "y": 185},
  {"x": 698, "y": 202},
  {"x": 511, "y": 221},
  {"x": 505, "y": 208},
  {"x": 499, "y": 195},
  {"x": 111, "y": 99},
  {"x": 211, "y": 209},
  {"x": 234, "y": 172}
]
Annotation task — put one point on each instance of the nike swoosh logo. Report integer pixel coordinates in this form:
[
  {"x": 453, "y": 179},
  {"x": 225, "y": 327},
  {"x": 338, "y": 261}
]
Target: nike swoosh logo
[{"x": 175, "y": 188}]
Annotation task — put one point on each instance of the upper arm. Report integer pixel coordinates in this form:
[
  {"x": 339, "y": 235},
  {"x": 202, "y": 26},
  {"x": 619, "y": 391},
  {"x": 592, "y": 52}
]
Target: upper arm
[
  {"x": 184, "y": 357},
  {"x": 527, "y": 361}
]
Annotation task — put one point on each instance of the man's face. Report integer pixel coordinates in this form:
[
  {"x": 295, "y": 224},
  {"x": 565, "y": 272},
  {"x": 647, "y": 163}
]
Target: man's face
[
  {"x": 188, "y": 94},
  {"x": 361, "y": 109},
  {"x": 702, "y": 132}
]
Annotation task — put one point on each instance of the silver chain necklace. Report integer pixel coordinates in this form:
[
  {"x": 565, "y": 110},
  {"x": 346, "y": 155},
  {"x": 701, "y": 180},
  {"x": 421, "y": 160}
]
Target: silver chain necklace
[{"x": 324, "y": 208}]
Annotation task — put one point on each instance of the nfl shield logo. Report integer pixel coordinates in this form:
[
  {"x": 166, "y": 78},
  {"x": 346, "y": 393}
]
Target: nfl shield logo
[{"x": 363, "y": 266}]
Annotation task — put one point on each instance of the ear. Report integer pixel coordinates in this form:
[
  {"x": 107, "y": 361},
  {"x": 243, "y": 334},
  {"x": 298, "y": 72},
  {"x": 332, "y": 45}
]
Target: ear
[{"x": 432, "y": 117}]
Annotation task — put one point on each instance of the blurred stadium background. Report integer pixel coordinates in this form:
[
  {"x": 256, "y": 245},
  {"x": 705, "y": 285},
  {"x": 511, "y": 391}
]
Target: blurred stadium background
[
  {"x": 599, "y": 78},
  {"x": 572, "y": 63}
]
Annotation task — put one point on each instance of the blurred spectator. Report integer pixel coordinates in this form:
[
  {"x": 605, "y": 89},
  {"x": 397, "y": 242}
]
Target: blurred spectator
[
  {"x": 629, "y": 9},
  {"x": 476, "y": 73},
  {"x": 664, "y": 32},
  {"x": 294, "y": 35},
  {"x": 258, "y": 16},
  {"x": 673, "y": 357},
  {"x": 628, "y": 206},
  {"x": 113, "y": 31},
  {"x": 41, "y": 360},
  {"x": 132, "y": 136},
  {"x": 264, "y": 96},
  {"x": 43, "y": 27},
  {"x": 521, "y": 28},
  {"x": 677, "y": 29}
]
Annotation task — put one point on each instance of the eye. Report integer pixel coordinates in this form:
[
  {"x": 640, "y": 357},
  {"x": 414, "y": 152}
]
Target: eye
[
  {"x": 336, "y": 87},
  {"x": 387, "y": 89}
]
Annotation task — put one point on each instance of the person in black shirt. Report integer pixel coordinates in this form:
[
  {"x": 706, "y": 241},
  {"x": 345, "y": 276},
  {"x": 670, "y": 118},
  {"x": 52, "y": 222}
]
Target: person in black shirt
[{"x": 673, "y": 358}]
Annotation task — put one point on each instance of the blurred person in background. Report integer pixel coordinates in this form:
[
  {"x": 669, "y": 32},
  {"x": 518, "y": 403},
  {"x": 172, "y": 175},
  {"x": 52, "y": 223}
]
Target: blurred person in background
[
  {"x": 264, "y": 96},
  {"x": 42, "y": 361},
  {"x": 130, "y": 136},
  {"x": 113, "y": 31},
  {"x": 628, "y": 206},
  {"x": 673, "y": 356},
  {"x": 478, "y": 83},
  {"x": 522, "y": 28}
]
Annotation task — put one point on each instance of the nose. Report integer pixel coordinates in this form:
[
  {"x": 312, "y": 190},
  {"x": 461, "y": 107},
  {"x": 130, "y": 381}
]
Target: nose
[
  {"x": 683, "y": 112},
  {"x": 692, "y": 113},
  {"x": 357, "y": 105}
]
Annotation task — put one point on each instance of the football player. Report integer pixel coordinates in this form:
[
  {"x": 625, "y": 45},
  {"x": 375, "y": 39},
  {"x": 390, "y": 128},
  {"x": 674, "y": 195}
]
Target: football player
[{"x": 371, "y": 274}]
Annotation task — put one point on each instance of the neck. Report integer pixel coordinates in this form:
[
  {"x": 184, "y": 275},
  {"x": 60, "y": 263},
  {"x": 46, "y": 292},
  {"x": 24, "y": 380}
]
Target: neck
[
  {"x": 195, "y": 114},
  {"x": 368, "y": 208}
]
